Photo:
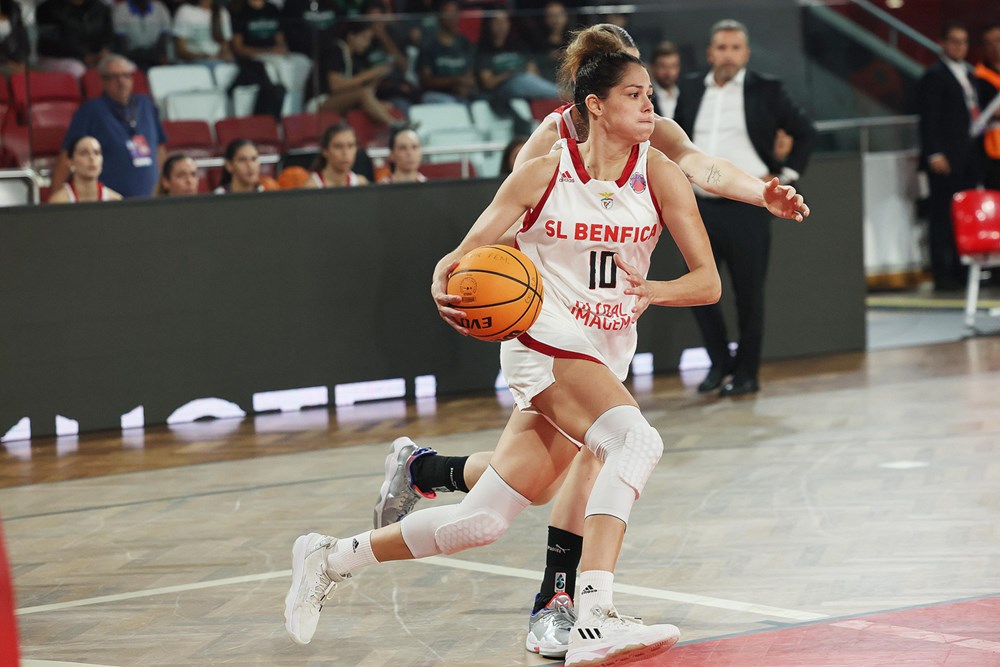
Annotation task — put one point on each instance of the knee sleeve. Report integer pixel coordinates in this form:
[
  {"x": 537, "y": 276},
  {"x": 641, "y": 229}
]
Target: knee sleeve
[
  {"x": 481, "y": 518},
  {"x": 630, "y": 449}
]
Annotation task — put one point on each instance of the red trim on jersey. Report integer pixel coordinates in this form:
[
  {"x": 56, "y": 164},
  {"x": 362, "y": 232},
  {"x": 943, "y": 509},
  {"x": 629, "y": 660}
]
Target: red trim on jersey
[
  {"x": 532, "y": 215},
  {"x": 581, "y": 169},
  {"x": 72, "y": 189},
  {"x": 554, "y": 352},
  {"x": 565, "y": 132},
  {"x": 76, "y": 196}
]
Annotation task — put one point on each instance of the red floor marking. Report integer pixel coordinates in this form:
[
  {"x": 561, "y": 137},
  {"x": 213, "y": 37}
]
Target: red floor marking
[{"x": 958, "y": 634}]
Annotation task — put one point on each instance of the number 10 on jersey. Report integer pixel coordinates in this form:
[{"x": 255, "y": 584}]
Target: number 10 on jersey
[{"x": 603, "y": 271}]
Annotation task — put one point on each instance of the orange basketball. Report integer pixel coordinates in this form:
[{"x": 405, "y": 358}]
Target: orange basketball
[
  {"x": 293, "y": 177},
  {"x": 269, "y": 184},
  {"x": 501, "y": 292}
]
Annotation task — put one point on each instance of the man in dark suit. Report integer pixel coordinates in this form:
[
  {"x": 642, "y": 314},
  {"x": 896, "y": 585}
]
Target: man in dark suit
[
  {"x": 734, "y": 113},
  {"x": 664, "y": 70},
  {"x": 948, "y": 101}
]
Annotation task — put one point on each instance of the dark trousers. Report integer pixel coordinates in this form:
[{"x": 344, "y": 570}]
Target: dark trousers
[{"x": 741, "y": 241}]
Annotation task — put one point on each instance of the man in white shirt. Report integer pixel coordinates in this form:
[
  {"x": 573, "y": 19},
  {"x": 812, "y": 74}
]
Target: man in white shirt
[
  {"x": 664, "y": 70},
  {"x": 735, "y": 113},
  {"x": 948, "y": 103}
]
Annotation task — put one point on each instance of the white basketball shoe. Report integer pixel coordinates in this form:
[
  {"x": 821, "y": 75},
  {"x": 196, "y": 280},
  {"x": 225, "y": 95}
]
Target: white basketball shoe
[
  {"x": 312, "y": 584},
  {"x": 606, "y": 638}
]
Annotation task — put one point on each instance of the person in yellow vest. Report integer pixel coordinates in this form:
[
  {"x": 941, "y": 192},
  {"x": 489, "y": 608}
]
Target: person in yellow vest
[{"x": 988, "y": 74}]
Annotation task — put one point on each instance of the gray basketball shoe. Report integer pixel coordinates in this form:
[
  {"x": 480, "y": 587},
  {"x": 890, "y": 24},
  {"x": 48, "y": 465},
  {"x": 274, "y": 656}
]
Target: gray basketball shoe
[
  {"x": 549, "y": 628},
  {"x": 311, "y": 585},
  {"x": 399, "y": 494}
]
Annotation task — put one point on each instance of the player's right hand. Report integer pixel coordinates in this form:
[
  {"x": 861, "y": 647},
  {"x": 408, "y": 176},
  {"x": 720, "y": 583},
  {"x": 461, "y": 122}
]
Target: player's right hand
[{"x": 445, "y": 301}]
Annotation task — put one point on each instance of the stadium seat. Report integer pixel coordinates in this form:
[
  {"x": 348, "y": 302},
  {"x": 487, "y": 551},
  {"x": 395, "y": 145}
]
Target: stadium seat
[
  {"x": 489, "y": 124},
  {"x": 433, "y": 117},
  {"x": 44, "y": 149},
  {"x": 445, "y": 171},
  {"x": 193, "y": 137},
  {"x": 542, "y": 108},
  {"x": 262, "y": 130},
  {"x": 207, "y": 105},
  {"x": 44, "y": 87},
  {"x": 92, "y": 86},
  {"x": 5, "y": 103},
  {"x": 53, "y": 113},
  {"x": 371, "y": 133},
  {"x": 975, "y": 217},
  {"x": 168, "y": 80},
  {"x": 303, "y": 130}
]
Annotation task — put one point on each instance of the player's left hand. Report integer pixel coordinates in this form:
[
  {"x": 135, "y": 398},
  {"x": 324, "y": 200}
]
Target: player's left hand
[
  {"x": 638, "y": 287},
  {"x": 784, "y": 202}
]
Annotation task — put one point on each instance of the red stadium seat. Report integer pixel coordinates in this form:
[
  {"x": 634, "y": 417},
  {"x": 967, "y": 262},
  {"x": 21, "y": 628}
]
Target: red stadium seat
[
  {"x": 262, "y": 130},
  {"x": 371, "y": 133},
  {"x": 45, "y": 87},
  {"x": 975, "y": 217},
  {"x": 92, "y": 86},
  {"x": 45, "y": 146},
  {"x": 6, "y": 105},
  {"x": 53, "y": 113},
  {"x": 542, "y": 108},
  {"x": 303, "y": 130},
  {"x": 445, "y": 171},
  {"x": 193, "y": 137}
]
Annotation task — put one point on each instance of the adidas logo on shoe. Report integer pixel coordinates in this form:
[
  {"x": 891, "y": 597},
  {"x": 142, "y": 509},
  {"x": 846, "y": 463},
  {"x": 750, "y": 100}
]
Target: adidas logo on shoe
[
  {"x": 590, "y": 633},
  {"x": 589, "y": 589}
]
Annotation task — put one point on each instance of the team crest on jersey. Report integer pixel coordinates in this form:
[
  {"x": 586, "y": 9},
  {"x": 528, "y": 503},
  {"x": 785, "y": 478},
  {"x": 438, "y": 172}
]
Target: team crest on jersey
[
  {"x": 607, "y": 199},
  {"x": 638, "y": 183}
]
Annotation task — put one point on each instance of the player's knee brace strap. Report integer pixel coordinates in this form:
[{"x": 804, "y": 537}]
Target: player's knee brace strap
[
  {"x": 630, "y": 449},
  {"x": 480, "y": 519}
]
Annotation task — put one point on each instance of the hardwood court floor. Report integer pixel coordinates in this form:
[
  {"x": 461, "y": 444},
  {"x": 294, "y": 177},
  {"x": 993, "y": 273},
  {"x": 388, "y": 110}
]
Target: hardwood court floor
[{"x": 854, "y": 484}]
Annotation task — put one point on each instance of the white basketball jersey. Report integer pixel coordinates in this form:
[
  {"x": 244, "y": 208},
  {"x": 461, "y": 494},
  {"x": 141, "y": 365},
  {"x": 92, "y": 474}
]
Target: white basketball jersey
[
  {"x": 563, "y": 117},
  {"x": 572, "y": 236}
]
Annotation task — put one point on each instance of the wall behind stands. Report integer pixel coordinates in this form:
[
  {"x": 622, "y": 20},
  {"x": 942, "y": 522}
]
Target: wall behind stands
[{"x": 105, "y": 308}]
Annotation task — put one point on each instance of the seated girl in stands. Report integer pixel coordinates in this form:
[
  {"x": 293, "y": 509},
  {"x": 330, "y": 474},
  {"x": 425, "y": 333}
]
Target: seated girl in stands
[
  {"x": 337, "y": 154},
  {"x": 242, "y": 168},
  {"x": 178, "y": 177},
  {"x": 405, "y": 154},
  {"x": 86, "y": 162}
]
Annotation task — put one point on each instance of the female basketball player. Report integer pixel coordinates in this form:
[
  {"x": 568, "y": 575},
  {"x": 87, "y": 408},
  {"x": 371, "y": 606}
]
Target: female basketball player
[
  {"x": 178, "y": 177},
  {"x": 566, "y": 377},
  {"x": 338, "y": 151},
  {"x": 412, "y": 473},
  {"x": 86, "y": 162},
  {"x": 405, "y": 154},
  {"x": 242, "y": 168}
]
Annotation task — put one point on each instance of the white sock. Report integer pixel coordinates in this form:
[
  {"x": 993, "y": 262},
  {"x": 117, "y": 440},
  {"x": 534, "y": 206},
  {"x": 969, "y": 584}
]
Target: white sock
[
  {"x": 593, "y": 589},
  {"x": 352, "y": 553}
]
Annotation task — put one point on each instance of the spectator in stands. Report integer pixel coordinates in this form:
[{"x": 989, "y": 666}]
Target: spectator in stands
[
  {"x": 350, "y": 81},
  {"x": 664, "y": 70},
  {"x": 126, "y": 125},
  {"x": 947, "y": 101},
  {"x": 86, "y": 163},
  {"x": 257, "y": 35},
  {"x": 551, "y": 36},
  {"x": 510, "y": 154},
  {"x": 202, "y": 32},
  {"x": 143, "y": 30},
  {"x": 338, "y": 152},
  {"x": 418, "y": 21},
  {"x": 405, "y": 155},
  {"x": 241, "y": 170},
  {"x": 400, "y": 86},
  {"x": 14, "y": 44},
  {"x": 503, "y": 70},
  {"x": 446, "y": 59},
  {"x": 308, "y": 26},
  {"x": 988, "y": 73},
  {"x": 178, "y": 177},
  {"x": 73, "y": 34}
]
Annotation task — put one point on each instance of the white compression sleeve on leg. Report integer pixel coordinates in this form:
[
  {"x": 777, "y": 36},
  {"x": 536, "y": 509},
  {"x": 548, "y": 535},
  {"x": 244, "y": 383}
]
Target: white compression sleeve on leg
[
  {"x": 629, "y": 448},
  {"x": 482, "y": 517}
]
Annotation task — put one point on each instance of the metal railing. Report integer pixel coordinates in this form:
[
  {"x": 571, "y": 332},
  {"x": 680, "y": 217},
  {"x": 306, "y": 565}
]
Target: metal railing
[
  {"x": 865, "y": 125},
  {"x": 27, "y": 176}
]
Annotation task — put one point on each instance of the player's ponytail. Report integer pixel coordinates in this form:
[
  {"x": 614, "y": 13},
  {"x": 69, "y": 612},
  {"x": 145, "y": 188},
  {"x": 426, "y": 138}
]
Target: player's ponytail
[
  {"x": 598, "y": 74},
  {"x": 600, "y": 38}
]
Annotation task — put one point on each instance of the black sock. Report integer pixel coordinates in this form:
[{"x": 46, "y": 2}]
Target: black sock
[
  {"x": 562, "y": 557},
  {"x": 439, "y": 473}
]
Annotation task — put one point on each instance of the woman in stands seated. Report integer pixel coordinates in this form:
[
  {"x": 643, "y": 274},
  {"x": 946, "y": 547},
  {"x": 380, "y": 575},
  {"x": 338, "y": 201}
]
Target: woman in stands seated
[
  {"x": 178, "y": 177},
  {"x": 202, "y": 30},
  {"x": 86, "y": 162},
  {"x": 338, "y": 151},
  {"x": 503, "y": 70},
  {"x": 405, "y": 154},
  {"x": 242, "y": 168}
]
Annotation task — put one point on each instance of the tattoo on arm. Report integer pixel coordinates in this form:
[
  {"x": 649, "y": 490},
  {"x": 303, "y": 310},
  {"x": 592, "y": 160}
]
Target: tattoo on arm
[{"x": 714, "y": 176}]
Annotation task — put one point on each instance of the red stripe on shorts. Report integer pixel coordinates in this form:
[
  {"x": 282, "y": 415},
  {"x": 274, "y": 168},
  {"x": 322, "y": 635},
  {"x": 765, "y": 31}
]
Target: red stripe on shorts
[{"x": 555, "y": 352}]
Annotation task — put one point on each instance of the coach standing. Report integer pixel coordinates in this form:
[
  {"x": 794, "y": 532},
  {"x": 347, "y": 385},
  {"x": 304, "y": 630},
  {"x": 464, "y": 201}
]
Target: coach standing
[
  {"x": 128, "y": 129},
  {"x": 735, "y": 114}
]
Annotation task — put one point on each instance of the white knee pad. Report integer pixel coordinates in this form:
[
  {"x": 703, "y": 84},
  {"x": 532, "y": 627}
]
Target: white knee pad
[
  {"x": 630, "y": 449},
  {"x": 481, "y": 518}
]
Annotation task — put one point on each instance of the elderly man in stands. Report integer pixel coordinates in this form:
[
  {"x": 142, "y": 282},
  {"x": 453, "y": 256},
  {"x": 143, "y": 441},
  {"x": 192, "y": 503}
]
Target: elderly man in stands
[{"x": 128, "y": 129}]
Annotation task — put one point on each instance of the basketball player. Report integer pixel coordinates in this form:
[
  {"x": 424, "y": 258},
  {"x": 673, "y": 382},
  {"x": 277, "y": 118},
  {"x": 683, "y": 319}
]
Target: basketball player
[
  {"x": 566, "y": 377},
  {"x": 241, "y": 168},
  {"x": 412, "y": 473},
  {"x": 86, "y": 161},
  {"x": 338, "y": 151}
]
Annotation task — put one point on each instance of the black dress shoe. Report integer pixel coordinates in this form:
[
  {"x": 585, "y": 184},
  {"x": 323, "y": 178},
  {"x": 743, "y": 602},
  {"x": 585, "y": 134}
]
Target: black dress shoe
[
  {"x": 740, "y": 388},
  {"x": 713, "y": 380}
]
